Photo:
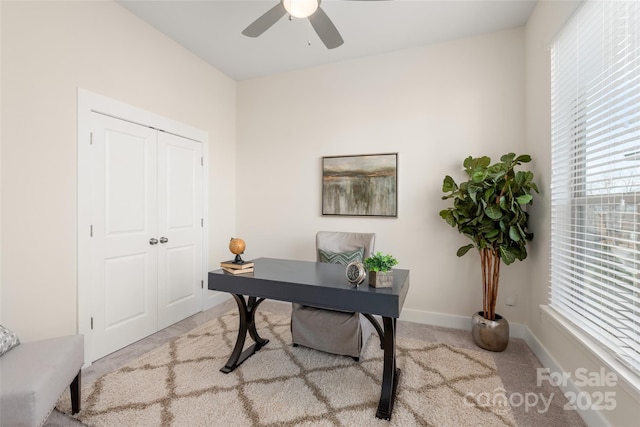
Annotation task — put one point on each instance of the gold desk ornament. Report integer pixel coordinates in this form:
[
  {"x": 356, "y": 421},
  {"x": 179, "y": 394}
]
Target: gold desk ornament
[{"x": 237, "y": 247}]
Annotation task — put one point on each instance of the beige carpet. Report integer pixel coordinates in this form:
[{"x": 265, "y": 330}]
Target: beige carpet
[{"x": 179, "y": 384}]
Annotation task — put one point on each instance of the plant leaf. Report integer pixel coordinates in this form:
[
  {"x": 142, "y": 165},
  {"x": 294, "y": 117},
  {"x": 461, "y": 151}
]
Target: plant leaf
[
  {"x": 503, "y": 203},
  {"x": 479, "y": 175},
  {"x": 491, "y": 234},
  {"x": 524, "y": 199},
  {"x": 448, "y": 184},
  {"x": 507, "y": 158},
  {"x": 467, "y": 162},
  {"x": 464, "y": 249},
  {"x": 514, "y": 234},
  {"x": 494, "y": 212},
  {"x": 506, "y": 255},
  {"x": 484, "y": 161}
]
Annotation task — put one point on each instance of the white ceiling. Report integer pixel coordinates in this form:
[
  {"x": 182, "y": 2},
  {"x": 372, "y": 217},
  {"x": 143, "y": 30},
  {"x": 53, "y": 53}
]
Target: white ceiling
[{"x": 211, "y": 29}]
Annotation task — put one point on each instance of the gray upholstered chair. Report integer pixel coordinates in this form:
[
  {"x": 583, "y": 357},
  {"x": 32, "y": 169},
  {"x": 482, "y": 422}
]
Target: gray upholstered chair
[{"x": 333, "y": 331}]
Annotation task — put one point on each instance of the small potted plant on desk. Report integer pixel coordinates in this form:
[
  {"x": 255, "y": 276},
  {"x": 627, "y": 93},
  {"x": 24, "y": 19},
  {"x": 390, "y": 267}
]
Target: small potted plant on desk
[{"x": 379, "y": 267}]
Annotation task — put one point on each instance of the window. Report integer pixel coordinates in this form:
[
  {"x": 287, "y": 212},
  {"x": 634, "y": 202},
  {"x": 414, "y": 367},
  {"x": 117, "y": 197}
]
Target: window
[{"x": 595, "y": 185}]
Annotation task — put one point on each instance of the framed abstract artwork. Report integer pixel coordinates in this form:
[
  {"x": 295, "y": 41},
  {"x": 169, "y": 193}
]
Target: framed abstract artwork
[{"x": 360, "y": 185}]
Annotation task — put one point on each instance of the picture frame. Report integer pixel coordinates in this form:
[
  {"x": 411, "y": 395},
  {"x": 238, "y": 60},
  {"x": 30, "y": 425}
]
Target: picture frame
[{"x": 360, "y": 185}]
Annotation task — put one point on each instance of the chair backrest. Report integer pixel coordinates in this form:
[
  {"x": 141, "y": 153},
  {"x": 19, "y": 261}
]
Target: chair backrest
[{"x": 339, "y": 241}]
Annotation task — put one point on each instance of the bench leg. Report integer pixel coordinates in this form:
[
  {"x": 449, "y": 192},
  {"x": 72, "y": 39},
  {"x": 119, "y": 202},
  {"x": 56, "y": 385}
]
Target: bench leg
[{"x": 75, "y": 394}]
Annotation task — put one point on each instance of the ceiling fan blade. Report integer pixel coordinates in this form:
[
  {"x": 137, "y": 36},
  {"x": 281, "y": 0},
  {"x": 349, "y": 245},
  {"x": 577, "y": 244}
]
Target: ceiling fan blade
[
  {"x": 265, "y": 22},
  {"x": 327, "y": 32}
]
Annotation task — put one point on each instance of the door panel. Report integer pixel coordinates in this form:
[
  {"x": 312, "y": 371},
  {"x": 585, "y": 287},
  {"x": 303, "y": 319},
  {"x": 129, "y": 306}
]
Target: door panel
[
  {"x": 180, "y": 274},
  {"x": 125, "y": 283},
  {"x": 126, "y": 193},
  {"x": 179, "y": 221},
  {"x": 125, "y": 272},
  {"x": 182, "y": 160}
]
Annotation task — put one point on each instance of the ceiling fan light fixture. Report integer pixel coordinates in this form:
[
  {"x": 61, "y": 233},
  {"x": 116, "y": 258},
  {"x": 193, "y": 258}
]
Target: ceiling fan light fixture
[{"x": 300, "y": 8}]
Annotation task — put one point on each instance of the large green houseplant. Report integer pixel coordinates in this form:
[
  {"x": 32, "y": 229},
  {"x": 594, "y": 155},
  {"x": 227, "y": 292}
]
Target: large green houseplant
[{"x": 489, "y": 208}]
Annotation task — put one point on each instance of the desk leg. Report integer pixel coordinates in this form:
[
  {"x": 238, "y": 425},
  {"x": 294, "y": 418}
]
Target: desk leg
[
  {"x": 390, "y": 373},
  {"x": 376, "y": 325},
  {"x": 247, "y": 324}
]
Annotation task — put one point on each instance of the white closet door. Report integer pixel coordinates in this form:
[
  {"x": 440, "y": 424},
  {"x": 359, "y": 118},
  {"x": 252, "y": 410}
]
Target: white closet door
[
  {"x": 125, "y": 264},
  {"x": 180, "y": 228}
]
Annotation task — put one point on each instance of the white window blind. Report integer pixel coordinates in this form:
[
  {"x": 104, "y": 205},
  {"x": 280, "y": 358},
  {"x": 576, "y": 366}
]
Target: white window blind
[{"x": 595, "y": 185}]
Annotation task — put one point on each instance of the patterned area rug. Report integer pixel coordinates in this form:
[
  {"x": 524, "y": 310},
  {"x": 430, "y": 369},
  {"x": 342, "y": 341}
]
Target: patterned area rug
[{"x": 180, "y": 384}]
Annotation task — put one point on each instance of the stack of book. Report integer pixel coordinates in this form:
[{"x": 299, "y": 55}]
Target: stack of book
[{"x": 239, "y": 268}]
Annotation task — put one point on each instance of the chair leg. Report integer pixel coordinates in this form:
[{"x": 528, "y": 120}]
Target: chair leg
[{"x": 74, "y": 388}]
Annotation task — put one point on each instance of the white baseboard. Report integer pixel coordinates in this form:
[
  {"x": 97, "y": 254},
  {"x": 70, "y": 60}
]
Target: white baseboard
[
  {"x": 591, "y": 418},
  {"x": 516, "y": 330},
  {"x": 214, "y": 298}
]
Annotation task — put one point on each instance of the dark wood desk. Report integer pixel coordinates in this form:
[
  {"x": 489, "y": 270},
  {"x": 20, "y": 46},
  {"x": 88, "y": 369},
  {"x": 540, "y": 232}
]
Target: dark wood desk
[{"x": 320, "y": 285}]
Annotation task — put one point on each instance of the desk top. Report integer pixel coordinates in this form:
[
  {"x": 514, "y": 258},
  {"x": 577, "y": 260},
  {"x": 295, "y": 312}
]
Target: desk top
[{"x": 311, "y": 283}]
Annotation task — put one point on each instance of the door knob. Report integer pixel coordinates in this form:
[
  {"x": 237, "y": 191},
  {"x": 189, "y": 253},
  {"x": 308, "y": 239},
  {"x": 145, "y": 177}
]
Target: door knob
[
  {"x": 153, "y": 241},
  {"x": 163, "y": 240}
]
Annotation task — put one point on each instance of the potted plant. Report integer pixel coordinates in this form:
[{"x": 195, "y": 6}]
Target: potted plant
[
  {"x": 379, "y": 267},
  {"x": 489, "y": 208}
]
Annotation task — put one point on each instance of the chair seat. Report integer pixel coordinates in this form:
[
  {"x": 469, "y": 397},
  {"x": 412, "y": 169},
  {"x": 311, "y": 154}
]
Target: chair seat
[{"x": 331, "y": 331}]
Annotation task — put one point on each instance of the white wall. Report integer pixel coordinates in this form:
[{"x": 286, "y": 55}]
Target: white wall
[
  {"x": 434, "y": 105},
  {"x": 554, "y": 345},
  {"x": 49, "y": 49}
]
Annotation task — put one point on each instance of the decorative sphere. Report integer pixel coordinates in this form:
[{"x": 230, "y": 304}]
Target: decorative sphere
[{"x": 237, "y": 246}]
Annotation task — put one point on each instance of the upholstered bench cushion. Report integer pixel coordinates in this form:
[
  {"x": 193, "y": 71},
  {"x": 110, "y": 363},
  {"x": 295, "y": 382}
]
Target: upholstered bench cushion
[{"x": 34, "y": 375}]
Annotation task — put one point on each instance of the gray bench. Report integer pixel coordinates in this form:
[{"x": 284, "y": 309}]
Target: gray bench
[{"x": 33, "y": 376}]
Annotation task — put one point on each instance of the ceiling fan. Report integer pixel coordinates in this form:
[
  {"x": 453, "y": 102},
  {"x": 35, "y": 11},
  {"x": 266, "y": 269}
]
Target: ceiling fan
[{"x": 311, "y": 9}]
